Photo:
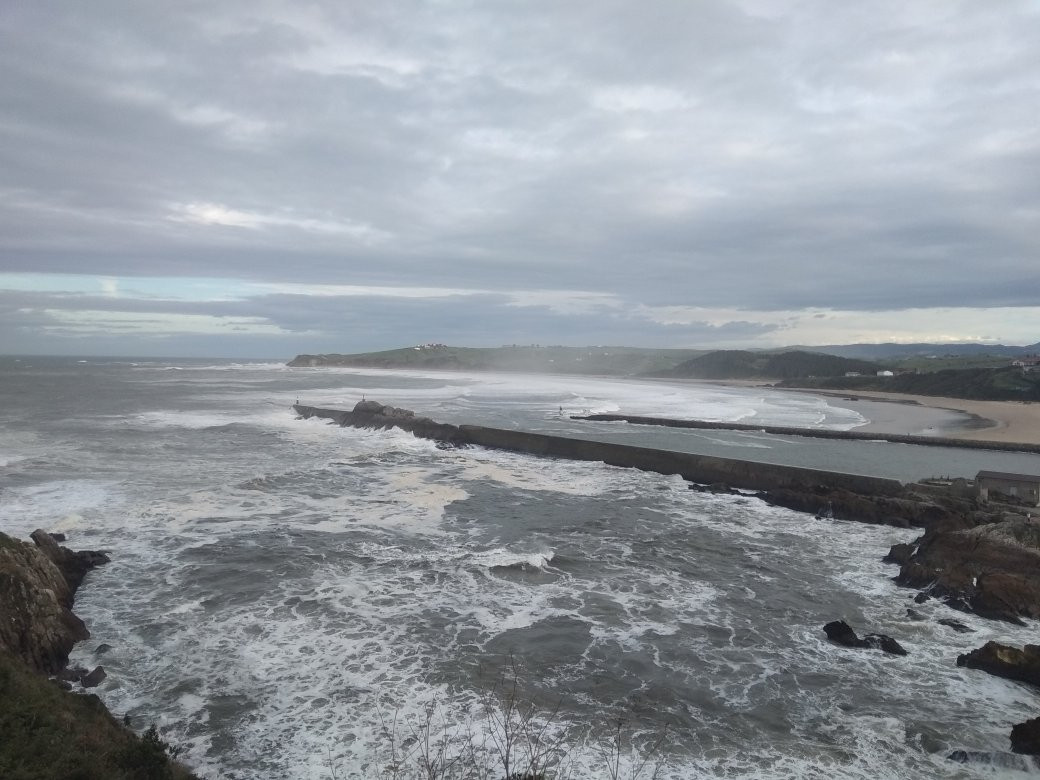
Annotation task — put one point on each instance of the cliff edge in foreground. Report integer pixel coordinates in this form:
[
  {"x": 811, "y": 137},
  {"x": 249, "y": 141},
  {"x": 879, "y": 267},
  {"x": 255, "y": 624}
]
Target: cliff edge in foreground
[{"x": 47, "y": 732}]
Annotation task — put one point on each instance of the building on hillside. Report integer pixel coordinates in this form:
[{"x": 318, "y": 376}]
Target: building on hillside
[
  {"x": 885, "y": 372},
  {"x": 1027, "y": 363},
  {"x": 1024, "y": 488}
]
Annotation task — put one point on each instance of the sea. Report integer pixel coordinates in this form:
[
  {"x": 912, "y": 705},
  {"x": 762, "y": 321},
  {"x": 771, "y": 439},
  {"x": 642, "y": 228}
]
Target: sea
[{"x": 291, "y": 599}]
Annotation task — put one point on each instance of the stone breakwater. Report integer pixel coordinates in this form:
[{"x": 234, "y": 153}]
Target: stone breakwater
[
  {"x": 816, "y": 433},
  {"x": 704, "y": 469}
]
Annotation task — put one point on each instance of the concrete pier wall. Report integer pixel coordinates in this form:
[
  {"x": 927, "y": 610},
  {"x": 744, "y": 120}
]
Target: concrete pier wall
[
  {"x": 816, "y": 433},
  {"x": 703, "y": 469}
]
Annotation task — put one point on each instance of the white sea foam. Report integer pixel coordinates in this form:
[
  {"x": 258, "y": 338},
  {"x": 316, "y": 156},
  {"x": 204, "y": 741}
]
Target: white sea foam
[
  {"x": 61, "y": 505},
  {"x": 544, "y": 395},
  {"x": 265, "y": 607}
]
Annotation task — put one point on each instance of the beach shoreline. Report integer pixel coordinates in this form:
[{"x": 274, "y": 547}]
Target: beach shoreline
[{"x": 902, "y": 413}]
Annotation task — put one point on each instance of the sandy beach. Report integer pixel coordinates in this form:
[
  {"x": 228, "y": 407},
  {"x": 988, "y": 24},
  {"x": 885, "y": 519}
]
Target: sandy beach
[
  {"x": 924, "y": 415},
  {"x": 1003, "y": 421}
]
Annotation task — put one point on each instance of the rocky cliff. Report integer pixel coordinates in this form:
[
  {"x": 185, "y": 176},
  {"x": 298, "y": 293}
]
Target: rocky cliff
[
  {"x": 47, "y": 732},
  {"x": 36, "y": 620}
]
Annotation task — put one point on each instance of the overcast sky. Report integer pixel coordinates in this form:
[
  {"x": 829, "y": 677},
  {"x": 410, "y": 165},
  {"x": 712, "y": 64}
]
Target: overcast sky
[{"x": 260, "y": 179}]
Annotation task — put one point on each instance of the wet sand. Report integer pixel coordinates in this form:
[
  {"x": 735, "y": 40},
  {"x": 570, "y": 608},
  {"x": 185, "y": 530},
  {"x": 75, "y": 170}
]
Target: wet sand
[
  {"x": 924, "y": 415},
  {"x": 1004, "y": 421}
]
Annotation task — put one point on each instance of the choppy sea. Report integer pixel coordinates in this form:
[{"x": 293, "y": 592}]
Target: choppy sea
[{"x": 282, "y": 592}]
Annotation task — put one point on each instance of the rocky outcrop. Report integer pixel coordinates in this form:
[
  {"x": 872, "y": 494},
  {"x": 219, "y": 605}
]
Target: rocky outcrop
[
  {"x": 73, "y": 565},
  {"x": 44, "y": 730},
  {"x": 36, "y": 623},
  {"x": 37, "y": 587},
  {"x": 841, "y": 633},
  {"x": 1005, "y": 661},
  {"x": 991, "y": 569},
  {"x": 1025, "y": 737}
]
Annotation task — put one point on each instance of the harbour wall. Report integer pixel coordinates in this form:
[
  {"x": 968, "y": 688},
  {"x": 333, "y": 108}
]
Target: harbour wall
[
  {"x": 704, "y": 469},
  {"x": 816, "y": 433}
]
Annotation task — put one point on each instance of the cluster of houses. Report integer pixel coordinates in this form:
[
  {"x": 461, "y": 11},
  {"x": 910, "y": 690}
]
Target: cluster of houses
[
  {"x": 883, "y": 372},
  {"x": 1027, "y": 363}
]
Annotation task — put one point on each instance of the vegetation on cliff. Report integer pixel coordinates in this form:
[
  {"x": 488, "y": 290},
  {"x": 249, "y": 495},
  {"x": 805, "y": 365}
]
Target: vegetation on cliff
[
  {"x": 739, "y": 364},
  {"x": 984, "y": 384},
  {"x": 47, "y": 733}
]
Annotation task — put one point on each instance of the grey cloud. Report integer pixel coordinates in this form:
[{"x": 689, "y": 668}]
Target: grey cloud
[{"x": 770, "y": 156}]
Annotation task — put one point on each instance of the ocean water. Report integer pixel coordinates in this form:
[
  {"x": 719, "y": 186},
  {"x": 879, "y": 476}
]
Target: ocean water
[{"x": 283, "y": 592}]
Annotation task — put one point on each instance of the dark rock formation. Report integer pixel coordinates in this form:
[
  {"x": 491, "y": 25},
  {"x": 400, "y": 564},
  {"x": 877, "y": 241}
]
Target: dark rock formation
[
  {"x": 36, "y": 624},
  {"x": 956, "y": 625},
  {"x": 991, "y": 569},
  {"x": 45, "y": 731},
  {"x": 73, "y": 565},
  {"x": 899, "y": 553},
  {"x": 94, "y": 678},
  {"x": 36, "y": 594},
  {"x": 1004, "y": 661},
  {"x": 902, "y": 511},
  {"x": 371, "y": 414},
  {"x": 1025, "y": 737},
  {"x": 840, "y": 632}
]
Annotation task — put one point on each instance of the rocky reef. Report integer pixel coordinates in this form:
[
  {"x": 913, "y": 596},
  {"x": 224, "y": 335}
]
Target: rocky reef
[{"x": 991, "y": 569}]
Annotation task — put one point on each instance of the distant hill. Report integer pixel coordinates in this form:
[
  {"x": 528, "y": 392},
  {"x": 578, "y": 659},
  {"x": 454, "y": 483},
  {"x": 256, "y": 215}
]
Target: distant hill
[
  {"x": 984, "y": 384},
  {"x": 897, "y": 351},
  {"x": 740, "y": 364},
  {"x": 606, "y": 361}
]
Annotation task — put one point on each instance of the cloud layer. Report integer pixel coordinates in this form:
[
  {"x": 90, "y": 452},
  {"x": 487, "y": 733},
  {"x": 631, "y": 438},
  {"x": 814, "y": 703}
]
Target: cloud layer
[{"x": 361, "y": 175}]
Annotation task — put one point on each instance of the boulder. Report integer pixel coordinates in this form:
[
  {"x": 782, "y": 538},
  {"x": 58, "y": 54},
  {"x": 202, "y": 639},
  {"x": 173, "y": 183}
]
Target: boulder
[
  {"x": 840, "y": 632},
  {"x": 956, "y": 625},
  {"x": 1025, "y": 737},
  {"x": 1005, "y": 661},
  {"x": 94, "y": 678},
  {"x": 372, "y": 414}
]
